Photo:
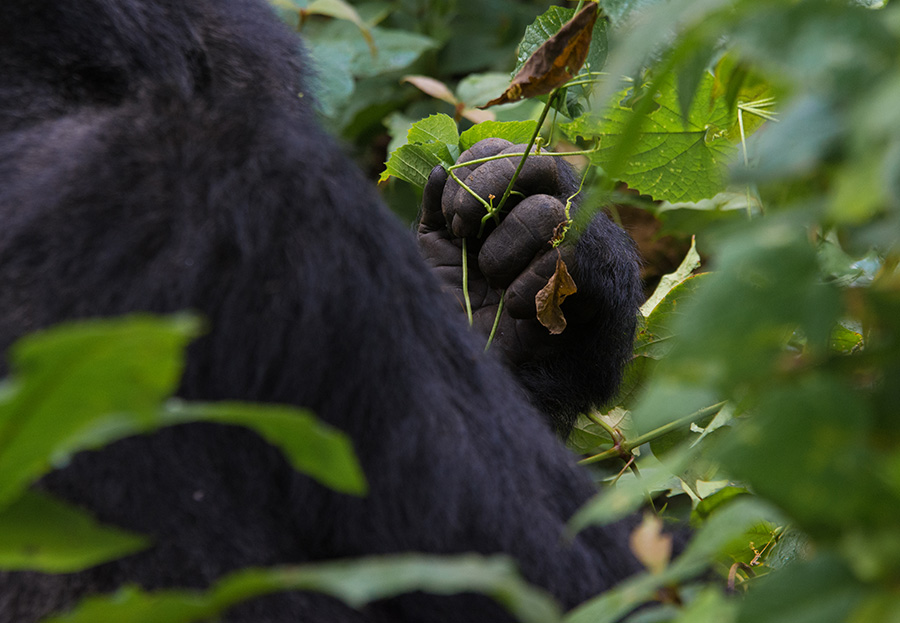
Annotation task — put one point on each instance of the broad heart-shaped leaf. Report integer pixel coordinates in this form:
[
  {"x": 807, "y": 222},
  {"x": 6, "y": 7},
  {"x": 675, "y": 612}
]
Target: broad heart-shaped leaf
[
  {"x": 355, "y": 582},
  {"x": 39, "y": 533},
  {"x": 434, "y": 129},
  {"x": 311, "y": 446},
  {"x": 80, "y": 385},
  {"x": 667, "y": 158}
]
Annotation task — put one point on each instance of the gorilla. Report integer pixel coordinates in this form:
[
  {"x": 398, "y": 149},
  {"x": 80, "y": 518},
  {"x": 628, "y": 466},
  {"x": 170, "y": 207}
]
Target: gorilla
[{"x": 163, "y": 155}]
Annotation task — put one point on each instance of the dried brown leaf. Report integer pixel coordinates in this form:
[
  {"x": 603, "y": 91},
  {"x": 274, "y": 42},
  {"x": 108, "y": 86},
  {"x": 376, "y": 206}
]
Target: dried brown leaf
[
  {"x": 650, "y": 545},
  {"x": 551, "y": 296},
  {"x": 557, "y": 60}
]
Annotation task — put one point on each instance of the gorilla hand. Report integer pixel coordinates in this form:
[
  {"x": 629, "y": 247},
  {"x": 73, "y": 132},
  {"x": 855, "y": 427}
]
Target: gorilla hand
[{"x": 565, "y": 373}]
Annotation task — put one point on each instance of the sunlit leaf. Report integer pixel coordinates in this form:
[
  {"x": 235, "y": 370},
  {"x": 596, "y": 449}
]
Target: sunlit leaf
[{"x": 516, "y": 132}]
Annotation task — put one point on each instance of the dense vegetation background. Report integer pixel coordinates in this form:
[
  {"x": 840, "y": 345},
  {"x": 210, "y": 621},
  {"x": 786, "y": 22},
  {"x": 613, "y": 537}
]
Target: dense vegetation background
[{"x": 762, "y": 403}]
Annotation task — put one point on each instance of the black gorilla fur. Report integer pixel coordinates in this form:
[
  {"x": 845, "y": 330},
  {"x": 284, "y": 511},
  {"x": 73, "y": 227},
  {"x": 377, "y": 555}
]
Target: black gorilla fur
[{"x": 155, "y": 155}]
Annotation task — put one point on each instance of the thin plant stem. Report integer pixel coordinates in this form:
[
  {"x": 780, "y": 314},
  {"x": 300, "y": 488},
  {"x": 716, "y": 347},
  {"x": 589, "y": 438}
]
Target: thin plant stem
[
  {"x": 625, "y": 448},
  {"x": 740, "y": 116},
  {"x": 465, "y": 281},
  {"x": 599, "y": 421},
  {"x": 534, "y": 136},
  {"x": 546, "y": 154},
  {"x": 496, "y": 321}
]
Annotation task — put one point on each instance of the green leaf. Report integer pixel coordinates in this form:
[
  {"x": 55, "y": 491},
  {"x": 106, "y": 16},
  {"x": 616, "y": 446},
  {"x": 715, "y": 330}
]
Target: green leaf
[
  {"x": 768, "y": 285},
  {"x": 40, "y": 533},
  {"x": 619, "y": 10},
  {"x": 311, "y": 446},
  {"x": 81, "y": 385},
  {"x": 708, "y": 505},
  {"x": 711, "y": 606},
  {"x": 356, "y": 583},
  {"x": 626, "y": 497},
  {"x": 430, "y": 142},
  {"x": 434, "y": 129},
  {"x": 331, "y": 82},
  {"x": 669, "y": 159},
  {"x": 513, "y": 131},
  {"x": 413, "y": 163},
  {"x": 393, "y": 49},
  {"x": 668, "y": 282},
  {"x": 654, "y": 337},
  {"x": 818, "y": 591},
  {"x": 815, "y": 430},
  {"x": 714, "y": 536},
  {"x": 339, "y": 10}
]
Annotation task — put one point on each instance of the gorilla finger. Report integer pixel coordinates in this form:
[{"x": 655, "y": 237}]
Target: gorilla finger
[
  {"x": 464, "y": 211},
  {"x": 519, "y": 300},
  {"x": 483, "y": 149},
  {"x": 525, "y": 232},
  {"x": 453, "y": 192},
  {"x": 543, "y": 174},
  {"x": 438, "y": 249},
  {"x": 432, "y": 217}
]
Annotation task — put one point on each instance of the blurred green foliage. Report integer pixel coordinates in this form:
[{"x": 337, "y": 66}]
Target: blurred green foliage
[
  {"x": 762, "y": 402},
  {"x": 764, "y": 387}
]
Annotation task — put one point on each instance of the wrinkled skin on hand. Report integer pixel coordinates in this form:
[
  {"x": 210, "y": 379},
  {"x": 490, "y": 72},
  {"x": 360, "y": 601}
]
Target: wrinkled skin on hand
[{"x": 565, "y": 373}]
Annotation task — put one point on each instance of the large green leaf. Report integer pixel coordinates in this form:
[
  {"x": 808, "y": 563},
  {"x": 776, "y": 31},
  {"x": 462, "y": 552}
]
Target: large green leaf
[
  {"x": 40, "y": 533},
  {"x": 355, "y": 582},
  {"x": 82, "y": 385},
  {"x": 311, "y": 446},
  {"x": 667, "y": 158}
]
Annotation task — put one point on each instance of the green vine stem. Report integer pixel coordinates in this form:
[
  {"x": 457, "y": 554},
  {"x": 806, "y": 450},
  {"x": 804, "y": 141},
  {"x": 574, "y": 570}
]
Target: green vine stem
[
  {"x": 623, "y": 449},
  {"x": 537, "y": 132},
  {"x": 465, "y": 281},
  {"x": 496, "y": 321}
]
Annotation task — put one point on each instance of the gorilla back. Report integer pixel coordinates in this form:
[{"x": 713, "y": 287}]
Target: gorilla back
[{"x": 156, "y": 156}]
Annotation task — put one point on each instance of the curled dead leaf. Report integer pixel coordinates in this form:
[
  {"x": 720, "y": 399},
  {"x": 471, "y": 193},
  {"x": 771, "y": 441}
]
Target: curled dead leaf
[
  {"x": 551, "y": 296},
  {"x": 557, "y": 60}
]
